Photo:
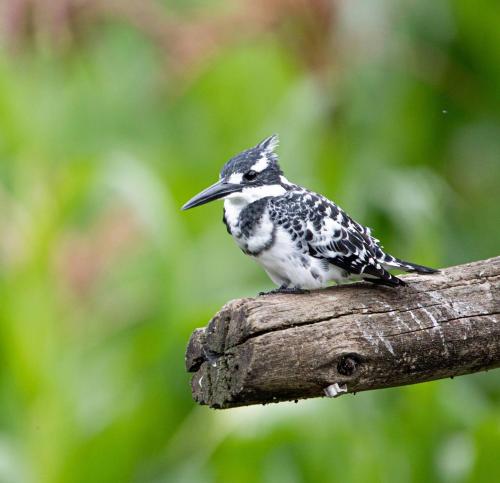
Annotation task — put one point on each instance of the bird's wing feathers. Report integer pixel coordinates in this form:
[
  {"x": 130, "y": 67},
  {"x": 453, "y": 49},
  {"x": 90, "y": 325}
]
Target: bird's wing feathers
[{"x": 322, "y": 228}]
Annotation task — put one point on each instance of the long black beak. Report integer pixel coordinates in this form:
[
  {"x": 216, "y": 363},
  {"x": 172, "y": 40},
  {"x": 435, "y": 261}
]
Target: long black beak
[{"x": 214, "y": 192}]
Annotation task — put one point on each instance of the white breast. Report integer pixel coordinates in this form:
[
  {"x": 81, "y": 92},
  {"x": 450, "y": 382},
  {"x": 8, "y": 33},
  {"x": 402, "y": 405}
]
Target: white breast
[
  {"x": 287, "y": 265},
  {"x": 262, "y": 236}
]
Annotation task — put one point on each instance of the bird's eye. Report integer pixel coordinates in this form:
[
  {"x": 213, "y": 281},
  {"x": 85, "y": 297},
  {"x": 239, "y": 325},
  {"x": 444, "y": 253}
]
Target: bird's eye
[{"x": 250, "y": 175}]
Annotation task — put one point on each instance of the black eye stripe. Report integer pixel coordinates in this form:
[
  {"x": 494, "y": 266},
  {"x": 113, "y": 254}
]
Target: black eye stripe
[{"x": 250, "y": 175}]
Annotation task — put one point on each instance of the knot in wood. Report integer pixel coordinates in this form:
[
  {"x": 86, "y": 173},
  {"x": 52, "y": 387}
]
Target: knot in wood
[{"x": 347, "y": 364}]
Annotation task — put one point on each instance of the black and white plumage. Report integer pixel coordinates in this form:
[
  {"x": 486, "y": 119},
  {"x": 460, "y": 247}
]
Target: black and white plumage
[{"x": 302, "y": 239}]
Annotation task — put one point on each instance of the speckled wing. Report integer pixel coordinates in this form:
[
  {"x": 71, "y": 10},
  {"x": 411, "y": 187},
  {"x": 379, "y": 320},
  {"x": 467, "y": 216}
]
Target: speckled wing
[{"x": 326, "y": 232}]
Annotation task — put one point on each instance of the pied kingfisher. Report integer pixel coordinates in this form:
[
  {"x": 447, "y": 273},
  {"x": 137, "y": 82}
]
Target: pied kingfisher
[{"x": 302, "y": 239}]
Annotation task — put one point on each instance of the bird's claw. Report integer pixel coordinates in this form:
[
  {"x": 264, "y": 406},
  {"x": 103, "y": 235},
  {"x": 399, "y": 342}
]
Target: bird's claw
[{"x": 285, "y": 290}]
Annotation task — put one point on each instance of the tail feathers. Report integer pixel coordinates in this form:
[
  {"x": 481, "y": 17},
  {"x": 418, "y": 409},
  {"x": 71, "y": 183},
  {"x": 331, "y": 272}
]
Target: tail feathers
[
  {"x": 382, "y": 277},
  {"x": 393, "y": 262},
  {"x": 390, "y": 281}
]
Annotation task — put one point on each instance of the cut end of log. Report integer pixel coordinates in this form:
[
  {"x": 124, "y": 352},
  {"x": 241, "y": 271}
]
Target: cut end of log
[{"x": 349, "y": 338}]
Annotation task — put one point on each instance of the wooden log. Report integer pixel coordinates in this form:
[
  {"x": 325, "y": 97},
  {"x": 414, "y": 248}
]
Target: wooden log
[{"x": 349, "y": 338}]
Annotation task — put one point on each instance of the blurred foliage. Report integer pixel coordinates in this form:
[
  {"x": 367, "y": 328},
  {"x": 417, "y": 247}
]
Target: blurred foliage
[{"x": 112, "y": 114}]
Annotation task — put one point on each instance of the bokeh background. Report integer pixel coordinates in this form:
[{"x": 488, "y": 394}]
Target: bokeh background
[{"x": 113, "y": 113}]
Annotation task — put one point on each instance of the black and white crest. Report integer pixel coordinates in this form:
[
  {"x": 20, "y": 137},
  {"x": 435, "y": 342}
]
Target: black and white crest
[{"x": 258, "y": 164}]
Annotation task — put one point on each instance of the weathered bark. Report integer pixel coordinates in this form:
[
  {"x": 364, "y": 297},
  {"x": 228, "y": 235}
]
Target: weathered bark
[{"x": 349, "y": 338}]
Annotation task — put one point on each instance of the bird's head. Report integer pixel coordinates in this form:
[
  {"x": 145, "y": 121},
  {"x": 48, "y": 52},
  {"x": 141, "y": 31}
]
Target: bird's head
[{"x": 250, "y": 175}]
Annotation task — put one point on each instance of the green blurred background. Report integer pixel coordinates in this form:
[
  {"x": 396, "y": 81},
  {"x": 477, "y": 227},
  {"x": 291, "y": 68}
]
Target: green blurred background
[{"x": 114, "y": 113}]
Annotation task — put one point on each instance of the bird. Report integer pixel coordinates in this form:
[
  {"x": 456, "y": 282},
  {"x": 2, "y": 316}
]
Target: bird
[{"x": 303, "y": 240}]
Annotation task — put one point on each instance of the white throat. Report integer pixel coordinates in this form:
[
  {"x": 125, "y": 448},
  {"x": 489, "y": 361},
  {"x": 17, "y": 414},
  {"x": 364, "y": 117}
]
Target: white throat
[{"x": 235, "y": 202}]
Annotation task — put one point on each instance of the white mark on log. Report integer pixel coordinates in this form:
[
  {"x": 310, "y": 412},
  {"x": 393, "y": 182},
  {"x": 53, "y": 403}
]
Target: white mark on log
[
  {"x": 431, "y": 317},
  {"x": 364, "y": 309},
  {"x": 458, "y": 308},
  {"x": 199, "y": 382},
  {"x": 386, "y": 342},
  {"x": 436, "y": 297},
  {"x": 451, "y": 309},
  {"x": 415, "y": 318},
  {"x": 396, "y": 317},
  {"x": 462, "y": 308},
  {"x": 438, "y": 328},
  {"x": 403, "y": 323},
  {"x": 335, "y": 390},
  {"x": 368, "y": 337},
  {"x": 491, "y": 319}
]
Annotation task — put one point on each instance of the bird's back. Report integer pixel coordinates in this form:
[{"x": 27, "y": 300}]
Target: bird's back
[{"x": 322, "y": 230}]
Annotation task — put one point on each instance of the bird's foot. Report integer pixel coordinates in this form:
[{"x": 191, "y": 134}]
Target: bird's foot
[{"x": 284, "y": 289}]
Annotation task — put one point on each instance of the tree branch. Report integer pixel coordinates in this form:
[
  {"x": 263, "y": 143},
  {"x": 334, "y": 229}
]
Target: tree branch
[{"x": 349, "y": 338}]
